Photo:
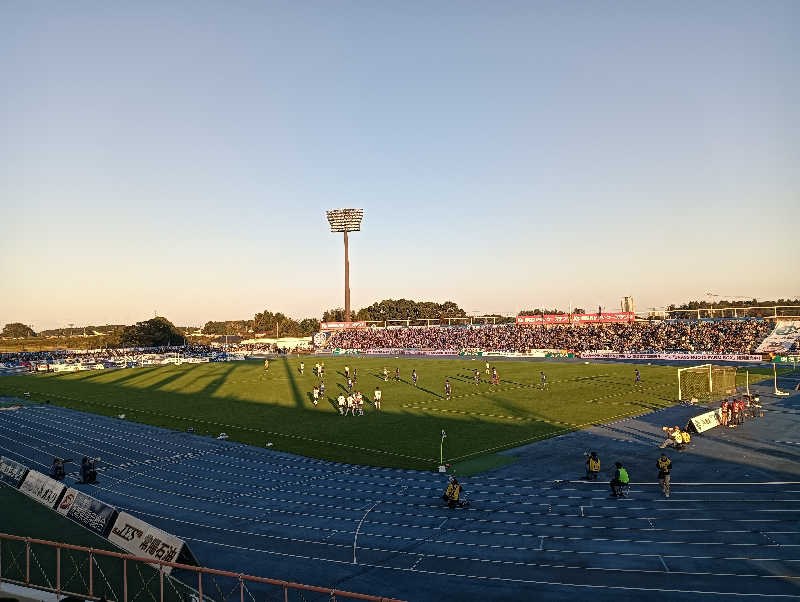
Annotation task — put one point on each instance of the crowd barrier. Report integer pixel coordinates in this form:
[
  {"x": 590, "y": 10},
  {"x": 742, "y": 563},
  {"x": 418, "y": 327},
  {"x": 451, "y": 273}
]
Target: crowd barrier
[
  {"x": 144, "y": 543},
  {"x": 120, "y": 528},
  {"x": 94, "y": 574}
]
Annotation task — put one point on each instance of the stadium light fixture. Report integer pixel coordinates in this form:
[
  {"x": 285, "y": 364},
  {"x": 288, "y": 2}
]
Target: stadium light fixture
[{"x": 346, "y": 220}]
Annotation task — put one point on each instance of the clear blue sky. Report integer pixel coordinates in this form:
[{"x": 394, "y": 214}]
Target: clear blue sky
[{"x": 179, "y": 156}]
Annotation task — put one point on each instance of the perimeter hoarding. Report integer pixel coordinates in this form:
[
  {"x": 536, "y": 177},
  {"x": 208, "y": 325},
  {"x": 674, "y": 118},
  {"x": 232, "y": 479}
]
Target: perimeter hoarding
[
  {"x": 42, "y": 488},
  {"x": 341, "y": 325},
  {"x": 143, "y": 539},
  {"x": 11, "y": 472},
  {"x": 678, "y": 357},
  {"x": 87, "y": 511},
  {"x": 604, "y": 318},
  {"x": 706, "y": 421}
]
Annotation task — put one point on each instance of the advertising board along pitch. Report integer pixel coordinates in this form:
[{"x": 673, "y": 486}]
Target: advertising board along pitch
[{"x": 42, "y": 488}]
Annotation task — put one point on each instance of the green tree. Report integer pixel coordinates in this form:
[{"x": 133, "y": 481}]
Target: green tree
[
  {"x": 156, "y": 332},
  {"x": 333, "y": 315},
  {"x": 17, "y": 330},
  {"x": 308, "y": 326}
]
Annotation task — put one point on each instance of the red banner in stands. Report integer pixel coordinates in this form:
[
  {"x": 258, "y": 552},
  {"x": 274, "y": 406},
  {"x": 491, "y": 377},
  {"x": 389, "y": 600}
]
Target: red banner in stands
[
  {"x": 604, "y": 318},
  {"x": 341, "y": 325}
]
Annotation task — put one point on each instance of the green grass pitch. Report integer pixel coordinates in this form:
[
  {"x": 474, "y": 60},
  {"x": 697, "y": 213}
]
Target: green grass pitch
[{"x": 256, "y": 407}]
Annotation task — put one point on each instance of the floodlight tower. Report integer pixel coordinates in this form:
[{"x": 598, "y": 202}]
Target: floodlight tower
[{"x": 346, "y": 220}]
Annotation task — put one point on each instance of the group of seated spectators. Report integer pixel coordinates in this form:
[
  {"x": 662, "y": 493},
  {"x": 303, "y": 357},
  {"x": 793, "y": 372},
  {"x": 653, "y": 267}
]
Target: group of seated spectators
[
  {"x": 113, "y": 355},
  {"x": 729, "y": 336}
]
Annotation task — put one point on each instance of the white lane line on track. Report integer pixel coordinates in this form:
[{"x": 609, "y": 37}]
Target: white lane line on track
[
  {"x": 240, "y": 427},
  {"x": 351, "y": 499},
  {"x": 508, "y": 579},
  {"x": 545, "y": 484},
  {"x": 475, "y": 545},
  {"x": 401, "y": 525},
  {"x": 507, "y": 562},
  {"x": 358, "y": 528},
  {"x": 296, "y": 461}
]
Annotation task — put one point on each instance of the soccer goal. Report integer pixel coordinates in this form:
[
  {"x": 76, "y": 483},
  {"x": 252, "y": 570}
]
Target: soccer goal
[{"x": 706, "y": 382}]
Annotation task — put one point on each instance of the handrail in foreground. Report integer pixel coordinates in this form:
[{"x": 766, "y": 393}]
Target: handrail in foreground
[{"x": 241, "y": 577}]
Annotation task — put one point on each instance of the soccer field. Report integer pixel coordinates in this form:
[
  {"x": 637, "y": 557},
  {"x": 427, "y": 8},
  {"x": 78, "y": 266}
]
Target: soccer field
[{"x": 258, "y": 407}]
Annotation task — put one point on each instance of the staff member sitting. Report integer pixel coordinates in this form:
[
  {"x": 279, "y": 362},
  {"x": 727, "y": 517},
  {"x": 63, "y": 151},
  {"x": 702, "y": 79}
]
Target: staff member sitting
[
  {"x": 620, "y": 481},
  {"x": 592, "y": 466},
  {"x": 452, "y": 494},
  {"x": 57, "y": 469},
  {"x": 88, "y": 470}
]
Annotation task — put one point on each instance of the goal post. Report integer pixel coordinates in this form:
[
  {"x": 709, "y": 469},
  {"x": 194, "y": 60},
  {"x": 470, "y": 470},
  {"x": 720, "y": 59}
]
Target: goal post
[
  {"x": 777, "y": 391},
  {"x": 706, "y": 382}
]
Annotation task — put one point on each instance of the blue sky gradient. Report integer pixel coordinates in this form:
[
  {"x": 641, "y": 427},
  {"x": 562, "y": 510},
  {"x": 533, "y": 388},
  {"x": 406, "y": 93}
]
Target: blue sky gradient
[{"x": 179, "y": 156}]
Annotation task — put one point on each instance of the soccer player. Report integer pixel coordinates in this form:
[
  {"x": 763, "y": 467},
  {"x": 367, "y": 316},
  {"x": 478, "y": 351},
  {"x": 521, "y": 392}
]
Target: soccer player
[
  {"x": 350, "y": 384},
  {"x": 414, "y": 377},
  {"x": 487, "y": 368},
  {"x": 302, "y": 367},
  {"x": 355, "y": 375},
  {"x": 322, "y": 369},
  {"x": 347, "y": 371},
  {"x": 385, "y": 375},
  {"x": 322, "y": 387},
  {"x": 495, "y": 378},
  {"x": 377, "y": 398},
  {"x": 638, "y": 378},
  {"x": 397, "y": 373},
  {"x": 316, "y": 368},
  {"x": 315, "y": 393},
  {"x": 360, "y": 403},
  {"x": 351, "y": 405},
  {"x": 544, "y": 380},
  {"x": 266, "y": 365},
  {"x": 341, "y": 401},
  {"x": 447, "y": 389},
  {"x": 477, "y": 377}
]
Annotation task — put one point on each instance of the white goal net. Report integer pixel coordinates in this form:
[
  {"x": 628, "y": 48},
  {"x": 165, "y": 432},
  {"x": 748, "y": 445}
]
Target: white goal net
[{"x": 706, "y": 382}]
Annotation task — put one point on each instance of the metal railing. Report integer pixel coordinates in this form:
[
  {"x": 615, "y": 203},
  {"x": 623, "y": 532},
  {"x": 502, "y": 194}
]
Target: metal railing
[{"x": 118, "y": 577}]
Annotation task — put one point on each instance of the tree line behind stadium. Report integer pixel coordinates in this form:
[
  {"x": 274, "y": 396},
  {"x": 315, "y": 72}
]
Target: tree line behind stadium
[{"x": 160, "y": 331}]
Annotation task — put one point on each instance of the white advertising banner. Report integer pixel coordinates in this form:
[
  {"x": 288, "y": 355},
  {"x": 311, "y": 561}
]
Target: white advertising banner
[
  {"x": 143, "y": 539},
  {"x": 694, "y": 357},
  {"x": 705, "y": 422},
  {"x": 780, "y": 340},
  {"x": 42, "y": 488},
  {"x": 86, "y": 510}
]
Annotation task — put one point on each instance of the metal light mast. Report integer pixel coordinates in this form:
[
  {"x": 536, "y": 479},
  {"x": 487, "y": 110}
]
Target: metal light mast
[{"x": 346, "y": 220}]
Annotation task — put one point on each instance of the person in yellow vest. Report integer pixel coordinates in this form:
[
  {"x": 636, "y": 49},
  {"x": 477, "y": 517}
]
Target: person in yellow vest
[
  {"x": 664, "y": 465},
  {"x": 449, "y": 491},
  {"x": 620, "y": 481},
  {"x": 677, "y": 437},
  {"x": 592, "y": 466},
  {"x": 453, "y": 494}
]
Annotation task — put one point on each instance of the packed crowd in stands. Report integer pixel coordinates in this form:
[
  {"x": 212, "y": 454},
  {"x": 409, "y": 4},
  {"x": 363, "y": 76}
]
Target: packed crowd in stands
[
  {"x": 113, "y": 355},
  {"x": 729, "y": 336}
]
